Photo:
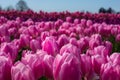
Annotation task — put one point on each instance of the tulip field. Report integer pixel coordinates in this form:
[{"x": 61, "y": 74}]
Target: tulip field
[{"x": 59, "y": 46}]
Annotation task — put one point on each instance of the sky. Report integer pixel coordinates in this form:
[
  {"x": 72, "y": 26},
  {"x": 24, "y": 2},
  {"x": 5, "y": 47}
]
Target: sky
[{"x": 63, "y": 5}]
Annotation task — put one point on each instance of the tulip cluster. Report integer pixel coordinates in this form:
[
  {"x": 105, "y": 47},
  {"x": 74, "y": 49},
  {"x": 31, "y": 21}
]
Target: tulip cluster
[
  {"x": 70, "y": 49},
  {"x": 109, "y": 18}
]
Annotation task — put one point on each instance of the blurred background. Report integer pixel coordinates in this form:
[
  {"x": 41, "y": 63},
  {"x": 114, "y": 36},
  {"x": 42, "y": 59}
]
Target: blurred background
[{"x": 94, "y": 6}]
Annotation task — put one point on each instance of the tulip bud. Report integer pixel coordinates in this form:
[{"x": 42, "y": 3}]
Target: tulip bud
[
  {"x": 89, "y": 23},
  {"x": 10, "y": 49},
  {"x": 68, "y": 19},
  {"x": 115, "y": 58},
  {"x": 86, "y": 65},
  {"x": 110, "y": 71},
  {"x": 66, "y": 67},
  {"x": 102, "y": 50},
  {"x": 35, "y": 45},
  {"x": 69, "y": 48},
  {"x": 24, "y": 40},
  {"x": 97, "y": 61},
  {"x": 5, "y": 68},
  {"x": 48, "y": 66},
  {"x": 4, "y": 30},
  {"x": 50, "y": 46},
  {"x": 21, "y": 71},
  {"x": 35, "y": 61},
  {"x": 62, "y": 40}
]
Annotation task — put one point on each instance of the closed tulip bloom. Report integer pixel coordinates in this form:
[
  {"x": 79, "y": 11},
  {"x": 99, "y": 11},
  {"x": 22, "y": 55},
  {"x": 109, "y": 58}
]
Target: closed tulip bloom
[
  {"x": 62, "y": 40},
  {"x": 115, "y": 58},
  {"x": 35, "y": 61},
  {"x": 66, "y": 67},
  {"x": 5, "y": 68},
  {"x": 69, "y": 48},
  {"x": 114, "y": 31},
  {"x": 24, "y": 40},
  {"x": 57, "y": 24},
  {"x": 35, "y": 45},
  {"x": 83, "y": 22},
  {"x": 110, "y": 71},
  {"x": 66, "y": 25},
  {"x": 73, "y": 41},
  {"x": 97, "y": 61},
  {"x": 102, "y": 50},
  {"x": 48, "y": 66},
  {"x": 50, "y": 46},
  {"x": 94, "y": 43},
  {"x": 83, "y": 43},
  {"x": 44, "y": 35},
  {"x": 21, "y": 71},
  {"x": 108, "y": 45},
  {"x": 4, "y": 30},
  {"x": 33, "y": 31},
  {"x": 86, "y": 66},
  {"x": 89, "y": 23},
  {"x": 76, "y": 21},
  {"x": 68, "y": 19},
  {"x": 10, "y": 49}
]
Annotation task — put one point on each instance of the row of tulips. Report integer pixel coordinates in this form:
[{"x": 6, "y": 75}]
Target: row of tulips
[
  {"x": 59, "y": 50},
  {"x": 53, "y": 16}
]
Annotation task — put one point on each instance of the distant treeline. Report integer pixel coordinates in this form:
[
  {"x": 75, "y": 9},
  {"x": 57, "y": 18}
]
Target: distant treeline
[
  {"x": 109, "y": 10},
  {"x": 22, "y": 6}
]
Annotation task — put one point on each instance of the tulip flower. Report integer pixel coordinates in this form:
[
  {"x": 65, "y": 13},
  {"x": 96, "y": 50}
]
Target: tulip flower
[
  {"x": 110, "y": 71},
  {"x": 25, "y": 40},
  {"x": 97, "y": 61},
  {"x": 35, "y": 45},
  {"x": 10, "y": 49},
  {"x": 72, "y": 49},
  {"x": 66, "y": 67},
  {"x": 20, "y": 71},
  {"x": 5, "y": 68},
  {"x": 62, "y": 40},
  {"x": 4, "y": 30},
  {"x": 35, "y": 61},
  {"x": 86, "y": 67},
  {"x": 50, "y": 46},
  {"x": 114, "y": 58}
]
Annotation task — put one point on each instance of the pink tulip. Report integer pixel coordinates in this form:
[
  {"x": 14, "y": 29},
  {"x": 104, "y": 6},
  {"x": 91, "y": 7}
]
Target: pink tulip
[
  {"x": 25, "y": 40},
  {"x": 48, "y": 66},
  {"x": 76, "y": 21},
  {"x": 10, "y": 49},
  {"x": 40, "y": 63},
  {"x": 66, "y": 67},
  {"x": 44, "y": 35},
  {"x": 97, "y": 61},
  {"x": 5, "y": 68},
  {"x": 50, "y": 46},
  {"x": 89, "y": 23},
  {"x": 4, "y": 30},
  {"x": 62, "y": 40},
  {"x": 115, "y": 58},
  {"x": 33, "y": 31},
  {"x": 21, "y": 71},
  {"x": 110, "y": 71},
  {"x": 35, "y": 61},
  {"x": 102, "y": 50},
  {"x": 68, "y": 19},
  {"x": 35, "y": 45},
  {"x": 69, "y": 48},
  {"x": 86, "y": 66}
]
